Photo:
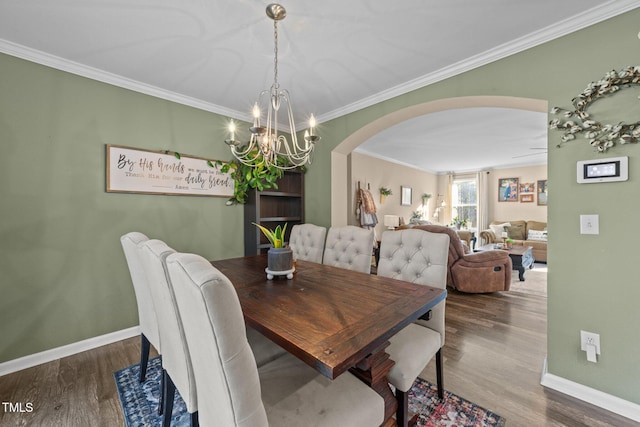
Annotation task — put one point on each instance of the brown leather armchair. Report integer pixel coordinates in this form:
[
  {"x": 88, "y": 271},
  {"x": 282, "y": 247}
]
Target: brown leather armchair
[{"x": 479, "y": 272}]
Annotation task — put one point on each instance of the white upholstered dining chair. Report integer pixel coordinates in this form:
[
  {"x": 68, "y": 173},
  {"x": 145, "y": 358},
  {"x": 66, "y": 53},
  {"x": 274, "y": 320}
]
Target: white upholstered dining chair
[
  {"x": 231, "y": 391},
  {"x": 307, "y": 242},
  {"x": 349, "y": 247},
  {"x": 415, "y": 256},
  {"x": 176, "y": 360},
  {"x": 146, "y": 311}
]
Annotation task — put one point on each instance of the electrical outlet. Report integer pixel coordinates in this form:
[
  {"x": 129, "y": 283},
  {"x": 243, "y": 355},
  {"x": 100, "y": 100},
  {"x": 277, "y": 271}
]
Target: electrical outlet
[{"x": 589, "y": 338}]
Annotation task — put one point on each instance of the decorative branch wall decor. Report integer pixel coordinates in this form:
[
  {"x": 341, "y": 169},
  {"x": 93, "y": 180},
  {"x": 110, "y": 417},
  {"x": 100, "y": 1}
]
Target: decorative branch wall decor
[{"x": 600, "y": 136}]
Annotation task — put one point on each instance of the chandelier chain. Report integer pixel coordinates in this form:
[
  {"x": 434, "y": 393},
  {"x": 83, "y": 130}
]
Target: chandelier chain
[{"x": 275, "y": 51}]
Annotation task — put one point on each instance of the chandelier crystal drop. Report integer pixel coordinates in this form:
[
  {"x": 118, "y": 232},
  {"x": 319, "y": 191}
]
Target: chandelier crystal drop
[{"x": 266, "y": 146}]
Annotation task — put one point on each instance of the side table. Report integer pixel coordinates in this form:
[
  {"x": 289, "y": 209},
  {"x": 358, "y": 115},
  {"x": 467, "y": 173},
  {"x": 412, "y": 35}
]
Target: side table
[{"x": 521, "y": 257}]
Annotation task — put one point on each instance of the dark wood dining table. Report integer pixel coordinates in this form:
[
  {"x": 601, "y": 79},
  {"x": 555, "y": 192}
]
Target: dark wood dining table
[{"x": 333, "y": 319}]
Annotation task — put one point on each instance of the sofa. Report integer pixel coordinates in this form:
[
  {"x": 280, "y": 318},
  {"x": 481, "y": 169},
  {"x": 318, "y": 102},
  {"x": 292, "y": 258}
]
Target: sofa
[
  {"x": 523, "y": 233},
  {"x": 465, "y": 235},
  {"x": 479, "y": 272}
]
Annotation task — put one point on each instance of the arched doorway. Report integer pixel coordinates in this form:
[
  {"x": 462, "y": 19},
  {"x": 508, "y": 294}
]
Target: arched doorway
[{"x": 339, "y": 155}]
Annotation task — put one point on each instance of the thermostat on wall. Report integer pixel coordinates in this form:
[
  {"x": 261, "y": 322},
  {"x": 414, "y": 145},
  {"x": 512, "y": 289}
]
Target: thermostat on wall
[{"x": 605, "y": 170}]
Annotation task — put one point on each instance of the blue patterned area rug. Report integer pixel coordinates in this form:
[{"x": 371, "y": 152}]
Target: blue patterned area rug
[
  {"x": 140, "y": 399},
  {"x": 140, "y": 403}
]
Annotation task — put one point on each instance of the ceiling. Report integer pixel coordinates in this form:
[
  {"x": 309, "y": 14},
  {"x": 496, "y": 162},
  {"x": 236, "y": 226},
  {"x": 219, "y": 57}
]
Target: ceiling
[
  {"x": 335, "y": 57},
  {"x": 464, "y": 140}
]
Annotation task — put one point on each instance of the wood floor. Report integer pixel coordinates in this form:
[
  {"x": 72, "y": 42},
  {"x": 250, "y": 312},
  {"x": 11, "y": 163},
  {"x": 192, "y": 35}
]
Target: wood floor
[{"x": 493, "y": 356}]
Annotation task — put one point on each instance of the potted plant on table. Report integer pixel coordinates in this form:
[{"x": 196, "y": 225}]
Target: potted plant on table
[
  {"x": 279, "y": 256},
  {"x": 459, "y": 223}
]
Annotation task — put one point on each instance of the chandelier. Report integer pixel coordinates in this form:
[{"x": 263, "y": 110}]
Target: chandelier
[{"x": 266, "y": 146}]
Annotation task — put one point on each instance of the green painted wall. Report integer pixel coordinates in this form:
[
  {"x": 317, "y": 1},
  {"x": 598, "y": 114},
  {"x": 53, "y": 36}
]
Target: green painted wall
[
  {"x": 592, "y": 279},
  {"x": 63, "y": 274}
]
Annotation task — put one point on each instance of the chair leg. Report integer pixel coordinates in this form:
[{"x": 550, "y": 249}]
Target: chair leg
[
  {"x": 170, "y": 392},
  {"x": 194, "y": 420},
  {"x": 145, "y": 345},
  {"x": 402, "y": 413},
  {"x": 439, "y": 374},
  {"x": 162, "y": 392}
]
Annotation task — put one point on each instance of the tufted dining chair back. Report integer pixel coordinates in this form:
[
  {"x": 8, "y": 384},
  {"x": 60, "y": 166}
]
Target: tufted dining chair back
[
  {"x": 225, "y": 365},
  {"x": 349, "y": 247},
  {"x": 415, "y": 256},
  {"x": 307, "y": 242},
  {"x": 176, "y": 359},
  {"x": 146, "y": 312}
]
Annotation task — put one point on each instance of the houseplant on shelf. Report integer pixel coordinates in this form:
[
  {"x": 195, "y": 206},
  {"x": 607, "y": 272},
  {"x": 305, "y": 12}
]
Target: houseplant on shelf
[{"x": 279, "y": 256}]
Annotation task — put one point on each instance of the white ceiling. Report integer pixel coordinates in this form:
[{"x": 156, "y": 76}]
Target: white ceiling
[
  {"x": 488, "y": 138},
  {"x": 335, "y": 56}
]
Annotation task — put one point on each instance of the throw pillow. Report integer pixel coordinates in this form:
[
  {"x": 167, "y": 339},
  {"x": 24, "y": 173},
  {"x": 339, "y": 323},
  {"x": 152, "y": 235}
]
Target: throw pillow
[
  {"x": 537, "y": 235},
  {"x": 499, "y": 228},
  {"x": 515, "y": 232}
]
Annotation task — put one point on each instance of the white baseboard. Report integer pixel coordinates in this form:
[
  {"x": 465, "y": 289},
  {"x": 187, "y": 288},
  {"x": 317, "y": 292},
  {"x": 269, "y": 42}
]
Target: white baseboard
[
  {"x": 66, "y": 350},
  {"x": 594, "y": 397}
]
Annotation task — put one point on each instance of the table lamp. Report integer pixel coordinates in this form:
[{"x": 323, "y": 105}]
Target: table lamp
[{"x": 391, "y": 221}]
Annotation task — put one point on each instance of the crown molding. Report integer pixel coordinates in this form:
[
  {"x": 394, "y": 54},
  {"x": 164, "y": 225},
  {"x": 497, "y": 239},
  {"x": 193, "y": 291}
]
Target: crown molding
[
  {"x": 76, "y": 68},
  {"x": 365, "y": 152},
  {"x": 592, "y": 16},
  {"x": 585, "y": 19},
  {"x": 361, "y": 150}
]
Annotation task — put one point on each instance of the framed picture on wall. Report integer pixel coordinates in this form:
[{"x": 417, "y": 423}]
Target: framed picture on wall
[
  {"x": 405, "y": 196},
  {"x": 526, "y": 198},
  {"x": 527, "y": 187},
  {"x": 508, "y": 189},
  {"x": 542, "y": 193}
]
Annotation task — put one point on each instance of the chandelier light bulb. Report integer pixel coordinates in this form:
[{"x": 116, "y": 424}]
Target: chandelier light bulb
[
  {"x": 256, "y": 114},
  {"x": 232, "y": 140}
]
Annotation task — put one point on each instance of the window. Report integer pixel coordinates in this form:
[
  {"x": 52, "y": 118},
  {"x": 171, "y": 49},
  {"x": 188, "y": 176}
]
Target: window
[{"x": 464, "y": 200}]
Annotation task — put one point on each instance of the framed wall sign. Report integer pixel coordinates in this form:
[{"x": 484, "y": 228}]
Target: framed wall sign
[
  {"x": 508, "y": 189},
  {"x": 526, "y": 198},
  {"x": 405, "y": 198},
  {"x": 132, "y": 170}
]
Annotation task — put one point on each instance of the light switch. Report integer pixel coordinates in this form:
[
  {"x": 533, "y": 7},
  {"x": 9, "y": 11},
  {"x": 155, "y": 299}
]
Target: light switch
[{"x": 589, "y": 224}]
